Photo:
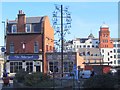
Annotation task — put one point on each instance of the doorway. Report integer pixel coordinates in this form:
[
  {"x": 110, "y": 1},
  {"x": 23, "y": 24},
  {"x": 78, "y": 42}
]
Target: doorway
[{"x": 38, "y": 69}]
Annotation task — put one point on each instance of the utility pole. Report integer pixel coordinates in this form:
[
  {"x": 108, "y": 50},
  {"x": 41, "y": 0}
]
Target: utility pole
[{"x": 62, "y": 24}]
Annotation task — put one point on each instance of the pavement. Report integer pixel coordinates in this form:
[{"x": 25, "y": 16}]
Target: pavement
[{"x": 1, "y": 84}]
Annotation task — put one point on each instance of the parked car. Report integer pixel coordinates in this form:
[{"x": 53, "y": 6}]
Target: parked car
[{"x": 85, "y": 74}]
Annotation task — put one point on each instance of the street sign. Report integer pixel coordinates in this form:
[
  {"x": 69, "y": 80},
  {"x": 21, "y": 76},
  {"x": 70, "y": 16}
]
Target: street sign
[{"x": 3, "y": 49}]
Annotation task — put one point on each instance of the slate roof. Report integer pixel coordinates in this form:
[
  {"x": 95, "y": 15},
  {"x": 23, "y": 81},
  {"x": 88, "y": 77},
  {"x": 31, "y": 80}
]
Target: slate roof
[{"x": 29, "y": 20}]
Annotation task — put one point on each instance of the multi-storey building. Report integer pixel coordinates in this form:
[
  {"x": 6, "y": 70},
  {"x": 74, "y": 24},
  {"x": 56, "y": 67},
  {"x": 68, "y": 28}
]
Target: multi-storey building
[
  {"x": 104, "y": 48},
  {"x": 87, "y": 48},
  {"x": 106, "y": 44},
  {"x": 27, "y": 41}
]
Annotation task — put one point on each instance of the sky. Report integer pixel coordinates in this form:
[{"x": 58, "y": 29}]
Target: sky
[{"x": 87, "y": 17}]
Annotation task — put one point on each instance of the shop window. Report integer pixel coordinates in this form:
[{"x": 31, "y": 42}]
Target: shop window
[
  {"x": 29, "y": 66},
  {"x": 15, "y": 67},
  {"x": 53, "y": 66},
  {"x": 68, "y": 66}
]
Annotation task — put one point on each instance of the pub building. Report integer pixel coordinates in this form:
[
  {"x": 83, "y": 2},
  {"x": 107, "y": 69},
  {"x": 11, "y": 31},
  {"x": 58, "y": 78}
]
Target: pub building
[{"x": 27, "y": 41}]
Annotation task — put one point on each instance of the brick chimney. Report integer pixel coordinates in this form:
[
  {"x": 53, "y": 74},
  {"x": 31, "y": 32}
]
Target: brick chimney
[{"x": 21, "y": 21}]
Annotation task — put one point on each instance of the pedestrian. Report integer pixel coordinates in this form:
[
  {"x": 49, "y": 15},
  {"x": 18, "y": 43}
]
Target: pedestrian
[
  {"x": 5, "y": 74},
  {"x": 92, "y": 73}
]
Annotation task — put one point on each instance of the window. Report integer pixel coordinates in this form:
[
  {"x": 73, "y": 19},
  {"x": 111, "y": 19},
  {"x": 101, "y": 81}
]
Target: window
[
  {"x": 36, "y": 47},
  {"x": 80, "y": 46},
  {"x": 84, "y": 45},
  {"x": 15, "y": 67},
  {"x": 92, "y": 45},
  {"x": 110, "y": 51},
  {"x": 114, "y": 45},
  {"x": 46, "y": 47},
  {"x": 11, "y": 47},
  {"x": 114, "y": 51},
  {"x": 102, "y": 51},
  {"x": 118, "y": 61},
  {"x": 110, "y": 56},
  {"x": 88, "y": 53},
  {"x": 118, "y": 45},
  {"x": 95, "y": 61},
  {"x": 14, "y": 28},
  {"x": 53, "y": 66},
  {"x": 29, "y": 66},
  {"x": 108, "y": 59},
  {"x": 51, "y": 48},
  {"x": 118, "y": 55},
  {"x": 68, "y": 66},
  {"x": 114, "y": 61},
  {"x": 96, "y": 42},
  {"x": 88, "y": 46},
  {"x": 96, "y": 46},
  {"x": 114, "y": 56},
  {"x": 118, "y": 51},
  {"x": 28, "y": 28}
]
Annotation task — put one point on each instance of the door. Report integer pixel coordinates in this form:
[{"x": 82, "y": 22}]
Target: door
[{"x": 38, "y": 69}]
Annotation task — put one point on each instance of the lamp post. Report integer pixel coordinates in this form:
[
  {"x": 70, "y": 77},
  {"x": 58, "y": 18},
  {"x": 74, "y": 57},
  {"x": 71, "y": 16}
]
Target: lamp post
[{"x": 4, "y": 46}]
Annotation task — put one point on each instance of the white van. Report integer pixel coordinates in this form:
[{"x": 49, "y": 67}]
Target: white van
[{"x": 85, "y": 74}]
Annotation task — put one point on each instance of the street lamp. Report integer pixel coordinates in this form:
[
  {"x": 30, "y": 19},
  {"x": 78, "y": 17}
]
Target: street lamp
[{"x": 4, "y": 46}]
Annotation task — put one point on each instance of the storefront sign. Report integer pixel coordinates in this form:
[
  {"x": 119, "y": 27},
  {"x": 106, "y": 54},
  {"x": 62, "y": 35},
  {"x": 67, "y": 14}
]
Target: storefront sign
[{"x": 23, "y": 57}]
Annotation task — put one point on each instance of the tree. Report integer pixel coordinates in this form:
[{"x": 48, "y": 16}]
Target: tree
[{"x": 101, "y": 81}]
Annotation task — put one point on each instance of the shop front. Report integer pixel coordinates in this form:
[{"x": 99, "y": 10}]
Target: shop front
[{"x": 30, "y": 63}]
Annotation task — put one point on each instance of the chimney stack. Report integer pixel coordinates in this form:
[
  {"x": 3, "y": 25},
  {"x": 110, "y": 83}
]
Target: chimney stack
[{"x": 21, "y": 21}]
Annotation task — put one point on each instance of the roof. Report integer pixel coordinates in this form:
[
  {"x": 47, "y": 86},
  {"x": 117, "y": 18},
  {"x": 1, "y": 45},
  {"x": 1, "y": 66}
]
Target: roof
[
  {"x": 91, "y": 36},
  {"x": 29, "y": 20},
  {"x": 34, "y": 19},
  {"x": 104, "y": 26}
]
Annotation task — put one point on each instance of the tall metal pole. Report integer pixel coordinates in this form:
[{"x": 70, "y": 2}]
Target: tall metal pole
[
  {"x": 61, "y": 41},
  {"x": 4, "y": 46},
  {"x": 62, "y": 24}
]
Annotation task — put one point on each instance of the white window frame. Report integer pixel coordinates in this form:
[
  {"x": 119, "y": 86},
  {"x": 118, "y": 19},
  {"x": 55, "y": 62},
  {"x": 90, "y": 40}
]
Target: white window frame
[
  {"x": 26, "y": 28},
  {"x": 11, "y": 47},
  {"x": 36, "y": 47},
  {"x": 14, "y": 26}
]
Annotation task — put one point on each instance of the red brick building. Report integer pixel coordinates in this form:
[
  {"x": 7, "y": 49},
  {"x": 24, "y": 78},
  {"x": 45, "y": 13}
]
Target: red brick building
[
  {"x": 27, "y": 41},
  {"x": 104, "y": 37}
]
